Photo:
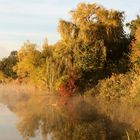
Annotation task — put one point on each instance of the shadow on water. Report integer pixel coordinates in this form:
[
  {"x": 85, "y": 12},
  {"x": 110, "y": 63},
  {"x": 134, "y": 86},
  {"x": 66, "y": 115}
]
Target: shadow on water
[{"x": 69, "y": 118}]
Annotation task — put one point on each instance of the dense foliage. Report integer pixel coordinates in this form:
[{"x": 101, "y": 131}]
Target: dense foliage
[
  {"x": 93, "y": 47},
  {"x": 6, "y": 65}
]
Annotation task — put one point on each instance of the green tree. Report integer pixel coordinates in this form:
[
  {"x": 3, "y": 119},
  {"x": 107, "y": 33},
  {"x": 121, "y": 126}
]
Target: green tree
[{"x": 7, "y": 64}]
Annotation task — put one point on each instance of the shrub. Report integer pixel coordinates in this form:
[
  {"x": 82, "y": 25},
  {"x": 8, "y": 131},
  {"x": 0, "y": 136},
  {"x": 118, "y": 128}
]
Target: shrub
[{"x": 123, "y": 86}]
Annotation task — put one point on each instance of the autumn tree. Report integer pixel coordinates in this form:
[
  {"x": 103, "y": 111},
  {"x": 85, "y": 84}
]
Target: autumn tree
[
  {"x": 135, "y": 50},
  {"x": 97, "y": 23},
  {"x": 92, "y": 40},
  {"x": 133, "y": 26},
  {"x": 92, "y": 46},
  {"x": 50, "y": 66},
  {"x": 30, "y": 64}
]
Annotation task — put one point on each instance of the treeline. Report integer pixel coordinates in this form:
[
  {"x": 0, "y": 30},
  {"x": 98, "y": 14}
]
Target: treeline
[{"x": 93, "y": 48}]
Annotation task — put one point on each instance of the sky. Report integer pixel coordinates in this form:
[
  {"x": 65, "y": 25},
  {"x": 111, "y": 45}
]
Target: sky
[{"x": 36, "y": 20}]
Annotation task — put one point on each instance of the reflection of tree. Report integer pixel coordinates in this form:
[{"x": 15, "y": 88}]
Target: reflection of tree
[{"x": 66, "y": 119}]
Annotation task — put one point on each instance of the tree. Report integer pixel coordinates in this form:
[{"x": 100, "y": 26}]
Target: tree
[
  {"x": 133, "y": 26},
  {"x": 29, "y": 60},
  {"x": 135, "y": 50},
  {"x": 97, "y": 23},
  {"x": 93, "y": 40},
  {"x": 7, "y": 64}
]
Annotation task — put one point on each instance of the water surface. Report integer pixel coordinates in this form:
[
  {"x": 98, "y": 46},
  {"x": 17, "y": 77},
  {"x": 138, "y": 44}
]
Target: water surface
[
  {"x": 8, "y": 129},
  {"x": 49, "y": 117}
]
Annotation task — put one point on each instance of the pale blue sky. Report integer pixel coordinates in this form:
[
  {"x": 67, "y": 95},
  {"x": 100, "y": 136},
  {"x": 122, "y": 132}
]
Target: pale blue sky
[{"x": 34, "y": 20}]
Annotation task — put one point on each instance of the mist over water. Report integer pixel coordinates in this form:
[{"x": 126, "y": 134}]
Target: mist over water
[{"x": 26, "y": 114}]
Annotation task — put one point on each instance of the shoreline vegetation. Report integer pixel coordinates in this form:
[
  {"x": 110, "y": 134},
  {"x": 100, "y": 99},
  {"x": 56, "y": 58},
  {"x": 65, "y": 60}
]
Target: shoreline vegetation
[{"x": 94, "y": 57}]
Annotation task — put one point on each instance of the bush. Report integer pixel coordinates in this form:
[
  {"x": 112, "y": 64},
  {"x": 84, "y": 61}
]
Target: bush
[{"x": 125, "y": 87}]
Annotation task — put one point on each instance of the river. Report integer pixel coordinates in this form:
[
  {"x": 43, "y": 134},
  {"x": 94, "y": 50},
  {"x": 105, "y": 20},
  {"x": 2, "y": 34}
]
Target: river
[{"x": 49, "y": 117}]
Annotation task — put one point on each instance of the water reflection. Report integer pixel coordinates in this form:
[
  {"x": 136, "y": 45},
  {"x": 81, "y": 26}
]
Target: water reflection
[
  {"x": 67, "y": 119},
  {"x": 56, "y": 118},
  {"x": 8, "y": 129}
]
